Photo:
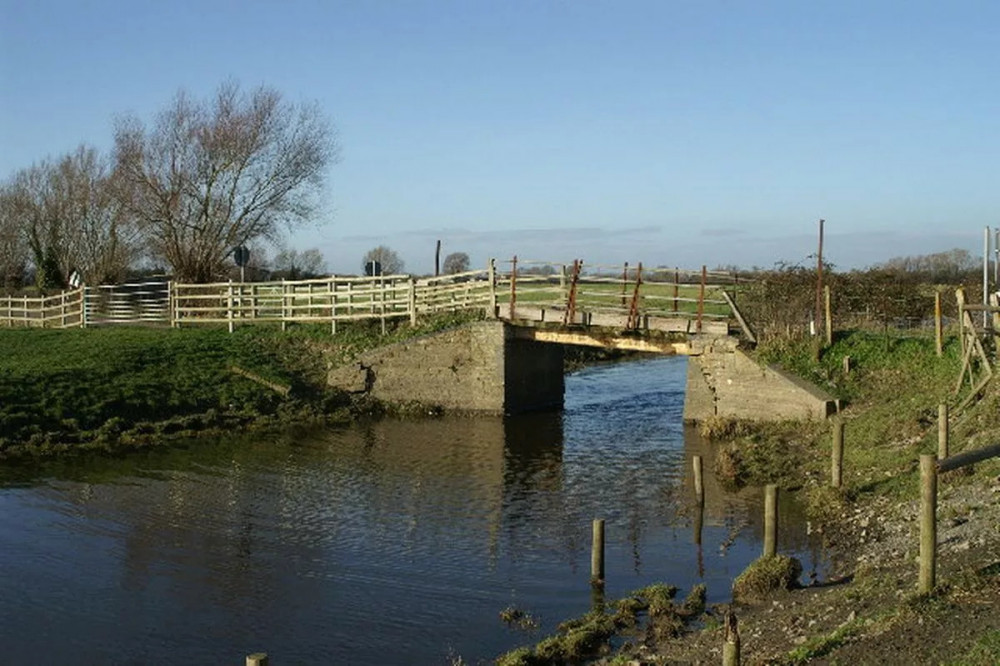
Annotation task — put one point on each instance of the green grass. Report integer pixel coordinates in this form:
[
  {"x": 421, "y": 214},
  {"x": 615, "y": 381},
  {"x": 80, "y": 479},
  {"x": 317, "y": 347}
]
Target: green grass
[
  {"x": 61, "y": 388},
  {"x": 891, "y": 396},
  {"x": 984, "y": 652}
]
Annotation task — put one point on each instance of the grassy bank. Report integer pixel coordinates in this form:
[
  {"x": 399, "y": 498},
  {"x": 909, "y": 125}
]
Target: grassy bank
[
  {"x": 871, "y": 612},
  {"x": 112, "y": 387}
]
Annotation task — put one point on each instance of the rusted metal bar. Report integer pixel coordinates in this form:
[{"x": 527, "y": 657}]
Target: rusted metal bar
[
  {"x": 570, "y": 314},
  {"x": 624, "y": 283},
  {"x": 513, "y": 285},
  {"x": 701, "y": 296},
  {"x": 968, "y": 458},
  {"x": 677, "y": 286},
  {"x": 633, "y": 310}
]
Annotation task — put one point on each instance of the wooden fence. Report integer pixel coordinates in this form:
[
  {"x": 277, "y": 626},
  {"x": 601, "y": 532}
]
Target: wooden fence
[
  {"x": 60, "y": 311},
  {"x": 568, "y": 290}
]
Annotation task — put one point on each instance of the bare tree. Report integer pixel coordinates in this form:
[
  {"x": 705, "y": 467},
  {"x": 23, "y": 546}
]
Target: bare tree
[
  {"x": 388, "y": 260},
  {"x": 211, "y": 175},
  {"x": 456, "y": 262},
  {"x": 13, "y": 250},
  {"x": 295, "y": 265},
  {"x": 70, "y": 219}
]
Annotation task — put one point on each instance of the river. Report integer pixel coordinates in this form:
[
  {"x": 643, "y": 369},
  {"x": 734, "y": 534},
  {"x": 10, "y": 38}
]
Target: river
[{"x": 392, "y": 542}]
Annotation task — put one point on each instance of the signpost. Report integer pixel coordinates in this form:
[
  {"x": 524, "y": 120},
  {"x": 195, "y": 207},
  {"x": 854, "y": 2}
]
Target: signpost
[{"x": 241, "y": 255}]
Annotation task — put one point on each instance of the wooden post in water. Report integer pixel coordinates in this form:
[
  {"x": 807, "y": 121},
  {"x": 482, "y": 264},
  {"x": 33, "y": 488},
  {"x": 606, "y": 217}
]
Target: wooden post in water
[
  {"x": 938, "y": 338},
  {"x": 597, "y": 553},
  {"x": 699, "y": 495},
  {"x": 837, "y": 463},
  {"x": 257, "y": 659},
  {"x": 770, "y": 520},
  {"x": 699, "y": 488},
  {"x": 731, "y": 642},
  {"x": 928, "y": 522},
  {"x": 942, "y": 431}
]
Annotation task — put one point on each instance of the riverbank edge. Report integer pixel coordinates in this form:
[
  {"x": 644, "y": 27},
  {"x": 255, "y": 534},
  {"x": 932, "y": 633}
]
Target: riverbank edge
[
  {"x": 296, "y": 399},
  {"x": 868, "y": 610}
]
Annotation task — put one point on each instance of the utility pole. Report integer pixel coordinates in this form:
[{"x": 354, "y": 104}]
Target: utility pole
[
  {"x": 986, "y": 275},
  {"x": 819, "y": 282},
  {"x": 437, "y": 260}
]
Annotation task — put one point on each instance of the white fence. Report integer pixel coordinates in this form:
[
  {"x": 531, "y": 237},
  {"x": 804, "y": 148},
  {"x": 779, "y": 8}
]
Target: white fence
[{"x": 567, "y": 292}]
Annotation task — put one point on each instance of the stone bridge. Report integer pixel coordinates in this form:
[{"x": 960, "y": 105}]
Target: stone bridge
[{"x": 502, "y": 367}]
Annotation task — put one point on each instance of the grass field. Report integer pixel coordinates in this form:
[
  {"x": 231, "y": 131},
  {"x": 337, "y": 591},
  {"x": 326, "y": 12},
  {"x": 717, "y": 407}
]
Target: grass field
[{"x": 62, "y": 388}]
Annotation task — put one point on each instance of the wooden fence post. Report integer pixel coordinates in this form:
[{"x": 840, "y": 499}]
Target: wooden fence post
[
  {"x": 938, "y": 337},
  {"x": 770, "y": 520},
  {"x": 829, "y": 320},
  {"x": 837, "y": 464},
  {"x": 699, "y": 495},
  {"x": 229, "y": 305},
  {"x": 492, "y": 268},
  {"x": 257, "y": 659},
  {"x": 699, "y": 487},
  {"x": 731, "y": 642},
  {"x": 284, "y": 290},
  {"x": 333, "y": 307},
  {"x": 83, "y": 308},
  {"x": 413, "y": 301},
  {"x": 171, "y": 320},
  {"x": 960, "y": 298},
  {"x": 597, "y": 553},
  {"x": 701, "y": 296},
  {"x": 942, "y": 431},
  {"x": 513, "y": 285},
  {"x": 928, "y": 522}
]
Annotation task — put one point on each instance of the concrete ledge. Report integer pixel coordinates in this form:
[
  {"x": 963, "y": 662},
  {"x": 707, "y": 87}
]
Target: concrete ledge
[
  {"x": 478, "y": 367},
  {"x": 732, "y": 385}
]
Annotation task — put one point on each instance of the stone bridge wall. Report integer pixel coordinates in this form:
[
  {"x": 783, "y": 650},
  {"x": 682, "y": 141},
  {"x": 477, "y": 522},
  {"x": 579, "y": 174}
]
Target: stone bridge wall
[
  {"x": 730, "y": 384},
  {"x": 484, "y": 367},
  {"x": 479, "y": 367}
]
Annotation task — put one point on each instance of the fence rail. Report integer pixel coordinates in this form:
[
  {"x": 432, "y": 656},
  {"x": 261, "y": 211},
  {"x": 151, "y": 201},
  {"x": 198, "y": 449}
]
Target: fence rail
[{"x": 634, "y": 293}]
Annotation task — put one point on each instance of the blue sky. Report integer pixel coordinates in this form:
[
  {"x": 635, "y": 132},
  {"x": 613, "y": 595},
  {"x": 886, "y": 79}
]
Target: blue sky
[{"x": 673, "y": 133}]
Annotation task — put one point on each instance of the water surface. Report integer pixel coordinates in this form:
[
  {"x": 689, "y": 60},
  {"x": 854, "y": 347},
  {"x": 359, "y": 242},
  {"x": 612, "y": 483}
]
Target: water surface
[{"x": 394, "y": 542}]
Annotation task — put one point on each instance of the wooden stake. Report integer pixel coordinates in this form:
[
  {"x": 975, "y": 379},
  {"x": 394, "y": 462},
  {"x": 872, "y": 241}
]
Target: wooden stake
[
  {"x": 819, "y": 276},
  {"x": 836, "y": 472},
  {"x": 942, "y": 431},
  {"x": 257, "y": 659},
  {"x": 701, "y": 297},
  {"x": 597, "y": 552},
  {"x": 699, "y": 488},
  {"x": 828, "y": 319},
  {"x": 770, "y": 520},
  {"x": 928, "y": 523},
  {"x": 938, "y": 336},
  {"x": 731, "y": 642}
]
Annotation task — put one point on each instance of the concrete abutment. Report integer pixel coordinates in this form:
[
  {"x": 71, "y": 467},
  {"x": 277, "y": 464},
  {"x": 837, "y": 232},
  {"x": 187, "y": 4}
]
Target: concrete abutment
[{"x": 487, "y": 367}]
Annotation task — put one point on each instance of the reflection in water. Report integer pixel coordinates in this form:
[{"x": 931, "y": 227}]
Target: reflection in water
[{"x": 388, "y": 542}]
